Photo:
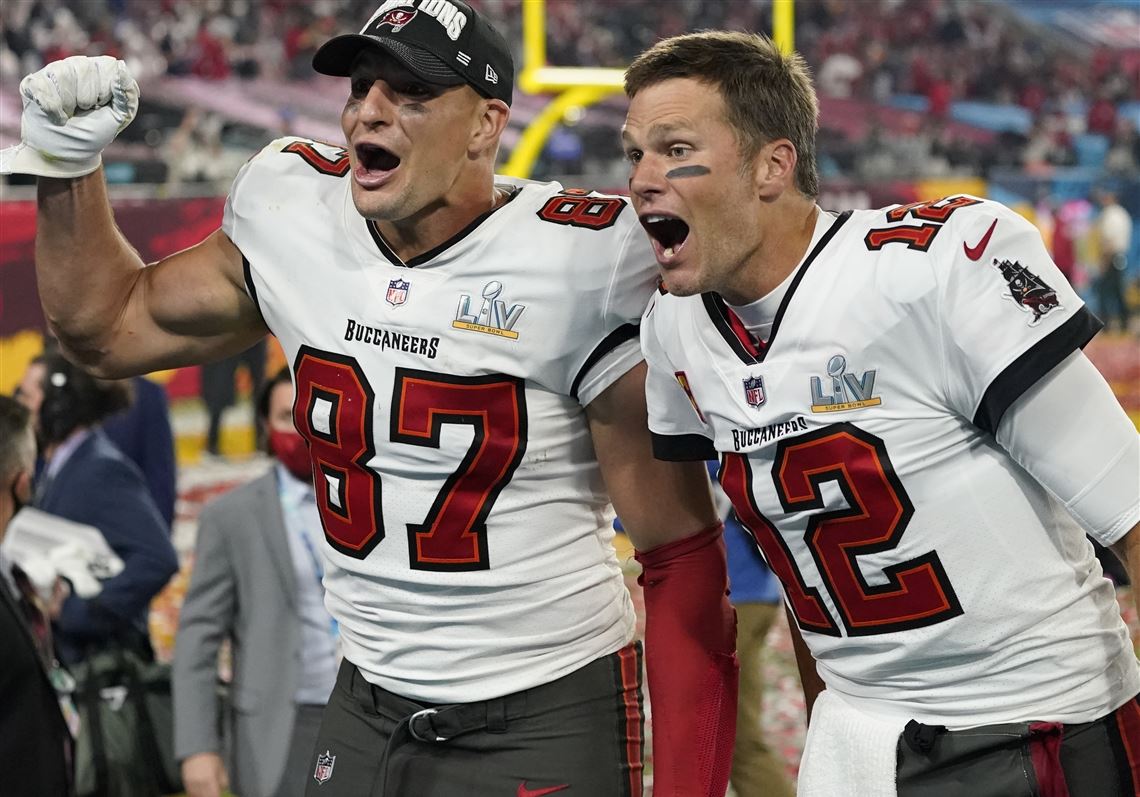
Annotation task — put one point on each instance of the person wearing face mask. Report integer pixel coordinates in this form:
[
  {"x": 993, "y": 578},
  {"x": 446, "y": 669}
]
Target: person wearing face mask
[
  {"x": 257, "y": 581},
  {"x": 35, "y": 745}
]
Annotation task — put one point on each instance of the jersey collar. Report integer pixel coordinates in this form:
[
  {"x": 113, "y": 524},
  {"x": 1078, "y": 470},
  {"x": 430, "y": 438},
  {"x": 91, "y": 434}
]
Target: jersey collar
[
  {"x": 743, "y": 343},
  {"x": 511, "y": 191}
]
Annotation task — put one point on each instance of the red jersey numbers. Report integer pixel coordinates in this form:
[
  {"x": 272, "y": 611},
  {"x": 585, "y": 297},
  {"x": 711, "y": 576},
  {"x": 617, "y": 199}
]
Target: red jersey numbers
[
  {"x": 938, "y": 211},
  {"x": 336, "y": 166},
  {"x": 920, "y": 236},
  {"x": 453, "y": 536},
  {"x": 806, "y": 604},
  {"x": 334, "y": 410},
  {"x": 916, "y": 593},
  {"x": 578, "y": 209}
]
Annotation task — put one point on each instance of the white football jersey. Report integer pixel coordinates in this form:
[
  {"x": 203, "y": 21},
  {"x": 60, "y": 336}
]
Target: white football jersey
[
  {"x": 931, "y": 575},
  {"x": 468, "y": 529}
]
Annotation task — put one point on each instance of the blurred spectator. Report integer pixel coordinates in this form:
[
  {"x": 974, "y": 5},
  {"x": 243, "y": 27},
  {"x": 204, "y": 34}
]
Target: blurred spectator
[
  {"x": 1064, "y": 248},
  {"x": 194, "y": 152},
  {"x": 143, "y": 433},
  {"x": 210, "y": 52},
  {"x": 839, "y": 74},
  {"x": 35, "y": 744},
  {"x": 257, "y": 581},
  {"x": 1114, "y": 232},
  {"x": 1123, "y": 156},
  {"x": 219, "y": 390},
  {"x": 1102, "y": 115},
  {"x": 88, "y": 480}
]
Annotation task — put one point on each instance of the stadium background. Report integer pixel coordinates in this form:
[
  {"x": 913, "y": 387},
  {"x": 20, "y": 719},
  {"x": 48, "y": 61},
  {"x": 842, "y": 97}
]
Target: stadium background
[{"x": 1034, "y": 103}]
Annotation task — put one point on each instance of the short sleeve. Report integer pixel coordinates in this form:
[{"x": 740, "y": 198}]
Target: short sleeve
[
  {"x": 632, "y": 281},
  {"x": 678, "y": 431},
  {"x": 1008, "y": 316},
  {"x": 232, "y": 227}
]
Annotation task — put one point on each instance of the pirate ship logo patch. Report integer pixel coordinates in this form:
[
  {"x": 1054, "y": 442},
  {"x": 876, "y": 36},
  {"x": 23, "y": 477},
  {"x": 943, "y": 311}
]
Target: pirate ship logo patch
[{"x": 1027, "y": 290}]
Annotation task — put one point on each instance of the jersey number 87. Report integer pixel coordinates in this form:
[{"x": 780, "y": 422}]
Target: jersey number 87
[{"x": 333, "y": 410}]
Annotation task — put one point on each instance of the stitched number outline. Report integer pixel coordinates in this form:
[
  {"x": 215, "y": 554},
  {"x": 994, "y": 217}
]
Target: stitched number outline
[
  {"x": 333, "y": 410},
  {"x": 917, "y": 592}
]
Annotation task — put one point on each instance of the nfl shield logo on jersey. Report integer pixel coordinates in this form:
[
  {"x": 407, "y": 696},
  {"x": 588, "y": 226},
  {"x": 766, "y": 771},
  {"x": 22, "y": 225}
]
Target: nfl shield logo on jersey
[
  {"x": 754, "y": 390},
  {"x": 397, "y": 292},
  {"x": 324, "y": 767}
]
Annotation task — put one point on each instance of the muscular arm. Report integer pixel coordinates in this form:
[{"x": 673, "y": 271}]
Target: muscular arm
[
  {"x": 117, "y": 316},
  {"x": 658, "y": 502},
  {"x": 690, "y": 629}
]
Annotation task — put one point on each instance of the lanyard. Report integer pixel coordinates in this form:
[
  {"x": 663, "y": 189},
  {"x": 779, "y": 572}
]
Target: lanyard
[{"x": 293, "y": 508}]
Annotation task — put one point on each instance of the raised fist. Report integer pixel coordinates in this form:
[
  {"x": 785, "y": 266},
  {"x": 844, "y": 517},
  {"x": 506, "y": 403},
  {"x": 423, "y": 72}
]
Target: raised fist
[{"x": 73, "y": 109}]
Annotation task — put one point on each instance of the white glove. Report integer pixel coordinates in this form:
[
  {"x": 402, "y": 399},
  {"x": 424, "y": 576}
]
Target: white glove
[{"x": 73, "y": 109}]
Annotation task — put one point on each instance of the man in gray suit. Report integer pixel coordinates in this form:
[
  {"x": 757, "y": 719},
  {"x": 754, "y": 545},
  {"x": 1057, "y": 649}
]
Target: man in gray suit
[{"x": 257, "y": 582}]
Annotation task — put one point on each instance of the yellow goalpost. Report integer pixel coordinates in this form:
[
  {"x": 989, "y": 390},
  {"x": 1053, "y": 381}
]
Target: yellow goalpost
[{"x": 579, "y": 86}]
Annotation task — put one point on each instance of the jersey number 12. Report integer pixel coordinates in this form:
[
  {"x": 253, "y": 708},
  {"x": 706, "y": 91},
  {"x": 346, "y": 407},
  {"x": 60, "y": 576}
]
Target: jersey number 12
[{"x": 917, "y": 592}]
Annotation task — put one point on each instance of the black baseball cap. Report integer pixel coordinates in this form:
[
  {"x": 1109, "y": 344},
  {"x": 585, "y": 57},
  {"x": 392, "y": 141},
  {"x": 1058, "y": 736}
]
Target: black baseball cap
[{"x": 445, "y": 42}]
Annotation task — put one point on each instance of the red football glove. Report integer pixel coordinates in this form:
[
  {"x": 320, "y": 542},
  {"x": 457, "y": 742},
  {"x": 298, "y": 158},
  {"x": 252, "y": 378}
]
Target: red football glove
[{"x": 690, "y": 656}]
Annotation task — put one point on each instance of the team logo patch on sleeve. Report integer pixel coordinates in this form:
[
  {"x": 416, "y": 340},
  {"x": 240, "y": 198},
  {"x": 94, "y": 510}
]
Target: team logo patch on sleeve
[
  {"x": 1027, "y": 290},
  {"x": 324, "y": 770}
]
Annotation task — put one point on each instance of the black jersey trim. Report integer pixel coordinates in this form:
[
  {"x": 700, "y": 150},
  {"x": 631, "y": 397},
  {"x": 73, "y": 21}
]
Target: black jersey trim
[
  {"x": 609, "y": 343},
  {"x": 251, "y": 289},
  {"x": 749, "y": 351},
  {"x": 1033, "y": 364},
  {"x": 840, "y": 220},
  {"x": 419, "y": 260},
  {"x": 682, "y": 447},
  {"x": 735, "y": 335}
]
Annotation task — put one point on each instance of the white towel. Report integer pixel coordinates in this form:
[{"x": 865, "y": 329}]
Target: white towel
[
  {"x": 46, "y": 546},
  {"x": 849, "y": 753}
]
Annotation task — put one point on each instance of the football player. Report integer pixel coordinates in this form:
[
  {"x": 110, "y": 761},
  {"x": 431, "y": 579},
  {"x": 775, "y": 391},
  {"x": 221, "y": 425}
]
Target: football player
[
  {"x": 470, "y": 384},
  {"x": 908, "y": 427}
]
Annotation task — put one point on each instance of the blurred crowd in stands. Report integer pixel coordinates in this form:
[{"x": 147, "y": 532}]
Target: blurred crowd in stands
[{"x": 923, "y": 55}]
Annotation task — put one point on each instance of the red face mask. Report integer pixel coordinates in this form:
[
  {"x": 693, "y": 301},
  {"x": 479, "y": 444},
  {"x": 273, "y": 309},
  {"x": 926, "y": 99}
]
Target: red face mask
[{"x": 292, "y": 451}]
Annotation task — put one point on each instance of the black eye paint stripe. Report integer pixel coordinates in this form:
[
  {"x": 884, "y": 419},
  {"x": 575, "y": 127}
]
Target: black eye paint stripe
[{"x": 687, "y": 171}]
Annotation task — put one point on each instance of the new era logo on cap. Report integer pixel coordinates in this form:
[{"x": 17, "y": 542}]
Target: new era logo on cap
[{"x": 436, "y": 39}]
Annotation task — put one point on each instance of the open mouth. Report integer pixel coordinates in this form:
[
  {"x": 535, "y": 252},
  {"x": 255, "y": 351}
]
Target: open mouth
[
  {"x": 373, "y": 158},
  {"x": 668, "y": 233}
]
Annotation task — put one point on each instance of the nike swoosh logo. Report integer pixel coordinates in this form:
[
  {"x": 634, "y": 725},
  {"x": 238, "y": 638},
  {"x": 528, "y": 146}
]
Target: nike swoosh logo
[
  {"x": 525, "y": 792},
  {"x": 975, "y": 252}
]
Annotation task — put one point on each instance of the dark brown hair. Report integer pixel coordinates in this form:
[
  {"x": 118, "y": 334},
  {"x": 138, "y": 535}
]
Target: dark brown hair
[
  {"x": 74, "y": 398},
  {"x": 768, "y": 95}
]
